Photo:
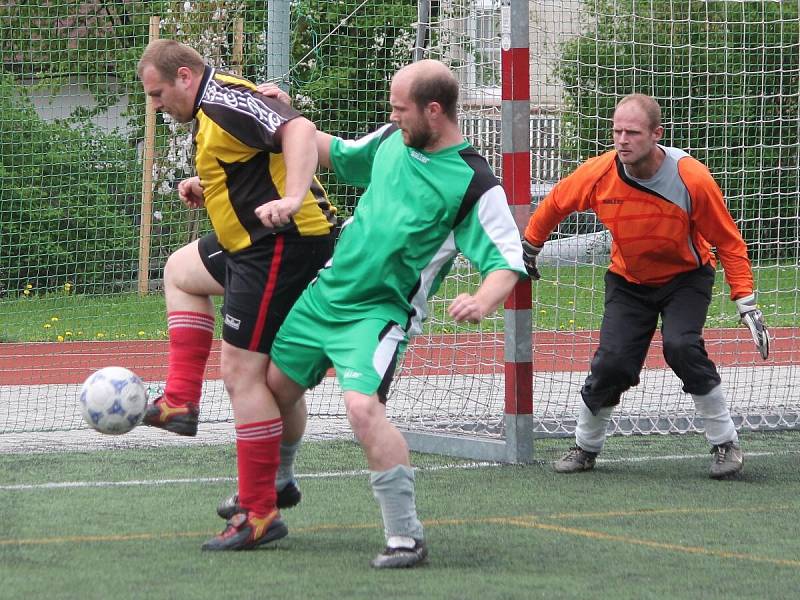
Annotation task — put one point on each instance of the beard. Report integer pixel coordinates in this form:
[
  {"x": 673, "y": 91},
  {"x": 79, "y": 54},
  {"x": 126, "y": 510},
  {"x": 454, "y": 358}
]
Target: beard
[{"x": 420, "y": 138}]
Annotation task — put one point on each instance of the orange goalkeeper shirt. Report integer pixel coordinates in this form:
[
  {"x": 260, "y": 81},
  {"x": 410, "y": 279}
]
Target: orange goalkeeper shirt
[{"x": 661, "y": 227}]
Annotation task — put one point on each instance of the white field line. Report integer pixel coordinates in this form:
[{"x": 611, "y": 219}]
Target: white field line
[
  {"x": 138, "y": 482},
  {"x": 335, "y": 474}
]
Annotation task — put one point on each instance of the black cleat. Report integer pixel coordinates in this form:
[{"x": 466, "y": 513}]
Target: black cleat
[
  {"x": 288, "y": 497},
  {"x": 179, "y": 419},
  {"x": 245, "y": 531},
  {"x": 401, "y": 556}
]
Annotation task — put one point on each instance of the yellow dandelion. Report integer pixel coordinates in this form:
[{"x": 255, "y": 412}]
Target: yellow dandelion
[
  {"x": 572, "y": 321},
  {"x": 100, "y": 334},
  {"x": 67, "y": 287},
  {"x": 54, "y": 319},
  {"x": 28, "y": 286},
  {"x": 47, "y": 326},
  {"x": 543, "y": 312},
  {"x": 60, "y": 338},
  {"x": 140, "y": 333},
  {"x": 67, "y": 334}
]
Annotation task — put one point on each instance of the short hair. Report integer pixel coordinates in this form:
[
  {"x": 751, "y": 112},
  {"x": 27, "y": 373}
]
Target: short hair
[
  {"x": 436, "y": 86},
  {"x": 167, "y": 56},
  {"x": 648, "y": 104}
]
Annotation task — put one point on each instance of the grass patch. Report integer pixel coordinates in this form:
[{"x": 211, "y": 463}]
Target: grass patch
[
  {"x": 654, "y": 528},
  {"x": 565, "y": 299}
]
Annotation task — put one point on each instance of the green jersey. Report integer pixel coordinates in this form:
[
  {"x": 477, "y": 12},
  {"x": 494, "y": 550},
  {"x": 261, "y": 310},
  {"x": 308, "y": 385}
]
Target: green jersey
[{"x": 418, "y": 211}]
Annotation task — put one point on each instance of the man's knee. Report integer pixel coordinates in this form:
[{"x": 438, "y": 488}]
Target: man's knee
[
  {"x": 241, "y": 368},
  {"x": 685, "y": 349},
  {"x": 363, "y": 412},
  {"x": 286, "y": 391},
  {"x": 176, "y": 266},
  {"x": 612, "y": 369},
  {"x": 611, "y": 375}
]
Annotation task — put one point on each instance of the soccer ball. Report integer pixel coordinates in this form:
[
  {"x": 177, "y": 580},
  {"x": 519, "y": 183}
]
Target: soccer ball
[{"x": 113, "y": 400}]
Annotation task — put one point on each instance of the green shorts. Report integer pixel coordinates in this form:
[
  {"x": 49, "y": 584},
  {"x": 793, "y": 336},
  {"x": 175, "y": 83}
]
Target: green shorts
[{"x": 364, "y": 352}]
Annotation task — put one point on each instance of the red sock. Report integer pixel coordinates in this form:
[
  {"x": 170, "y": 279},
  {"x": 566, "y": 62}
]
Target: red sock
[
  {"x": 190, "y": 335},
  {"x": 258, "y": 457}
]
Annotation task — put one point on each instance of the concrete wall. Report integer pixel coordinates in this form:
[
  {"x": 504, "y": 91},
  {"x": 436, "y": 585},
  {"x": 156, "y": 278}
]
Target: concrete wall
[{"x": 52, "y": 104}]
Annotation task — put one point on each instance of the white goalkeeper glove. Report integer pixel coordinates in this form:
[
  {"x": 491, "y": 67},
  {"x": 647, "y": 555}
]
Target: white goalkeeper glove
[
  {"x": 753, "y": 318},
  {"x": 529, "y": 254}
]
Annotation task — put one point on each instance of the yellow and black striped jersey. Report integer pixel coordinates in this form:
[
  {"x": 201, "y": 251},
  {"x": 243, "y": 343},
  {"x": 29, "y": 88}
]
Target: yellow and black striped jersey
[{"x": 240, "y": 164}]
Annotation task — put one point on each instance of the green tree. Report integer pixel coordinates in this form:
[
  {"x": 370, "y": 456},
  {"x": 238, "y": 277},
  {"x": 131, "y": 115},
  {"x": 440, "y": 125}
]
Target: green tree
[
  {"x": 342, "y": 55},
  {"x": 341, "y": 82},
  {"x": 726, "y": 75}
]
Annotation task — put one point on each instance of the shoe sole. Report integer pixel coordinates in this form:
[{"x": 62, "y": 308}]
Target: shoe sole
[
  {"x": 185, "y": 426},
  {"x": 728, "y": 475},
  {"x": 401, "y": 561},
  {"x": 558, "y": 469},
  {"x": 179, "y": 430},
  {"x": 275, "y": 533}
]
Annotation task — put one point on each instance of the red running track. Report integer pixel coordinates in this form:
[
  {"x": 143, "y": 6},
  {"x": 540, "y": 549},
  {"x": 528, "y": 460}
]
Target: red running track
[{"x": 71, "y": 362}]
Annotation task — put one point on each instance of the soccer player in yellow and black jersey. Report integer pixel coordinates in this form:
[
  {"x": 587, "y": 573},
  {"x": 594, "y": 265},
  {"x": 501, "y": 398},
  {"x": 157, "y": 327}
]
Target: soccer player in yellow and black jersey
[{"x": 255, "y": 159}]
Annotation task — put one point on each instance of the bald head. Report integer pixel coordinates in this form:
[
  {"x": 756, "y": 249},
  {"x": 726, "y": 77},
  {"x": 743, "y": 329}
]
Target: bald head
[
  {"x": 646, "y": 105},
  {"x": 430, "y": 81}
]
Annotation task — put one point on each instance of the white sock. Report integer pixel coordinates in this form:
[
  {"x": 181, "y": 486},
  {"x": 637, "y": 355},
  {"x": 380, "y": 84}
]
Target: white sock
[
  {"x": 394, "y": 490},
  {"x": 713, "y": 407},
  {"x": 286, "y": 468},
  {"x": 590, "y": 434}
]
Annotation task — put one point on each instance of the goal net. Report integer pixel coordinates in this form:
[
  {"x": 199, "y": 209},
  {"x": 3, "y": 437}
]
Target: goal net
[
  {"x": 725, "y": 74},
  {"x": 80, "y": 280}
]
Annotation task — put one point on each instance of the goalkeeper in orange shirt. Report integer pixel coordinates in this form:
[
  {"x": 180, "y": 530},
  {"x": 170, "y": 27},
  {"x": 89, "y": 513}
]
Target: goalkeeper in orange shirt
[{"x": 664, "y": 212}]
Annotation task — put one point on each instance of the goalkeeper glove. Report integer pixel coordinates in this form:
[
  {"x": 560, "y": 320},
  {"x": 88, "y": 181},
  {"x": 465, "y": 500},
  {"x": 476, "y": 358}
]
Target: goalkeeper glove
[
  {"x": 529, "y": 254},
  {"x": 753, "y": 318}
]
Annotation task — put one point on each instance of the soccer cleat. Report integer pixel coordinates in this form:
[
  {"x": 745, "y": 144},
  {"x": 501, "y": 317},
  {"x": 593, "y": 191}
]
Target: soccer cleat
[
  {"x": 401, "y": 554},
  {"x": 288, "y": 497},
  {"x": 179, "y": 419},
  {"x": 576, "y": 459},
  {"x": 728, "y": 460},
  {"x": 245, "y": 531}
]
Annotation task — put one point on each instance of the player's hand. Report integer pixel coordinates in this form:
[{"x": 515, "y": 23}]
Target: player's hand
[
  {"x": 270, "y": 90},
  {"x": 753, "y": 318},
  {"x": 466, "y": 308},
  {"x": 529, "y": 254},
  {"x": 191, "y": 192},
  {"x": 277, "y": 213}
]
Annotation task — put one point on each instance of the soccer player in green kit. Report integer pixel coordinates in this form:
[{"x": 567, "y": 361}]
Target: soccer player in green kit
[{"x": 428, "y": 195}]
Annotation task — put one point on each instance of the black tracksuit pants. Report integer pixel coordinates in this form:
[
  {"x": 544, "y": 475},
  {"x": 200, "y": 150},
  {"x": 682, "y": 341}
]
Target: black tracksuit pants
[{"x": 629, "y": 322}]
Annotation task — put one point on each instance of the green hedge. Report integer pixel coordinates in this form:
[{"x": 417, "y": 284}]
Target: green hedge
[{"x": 68, "y": 203}]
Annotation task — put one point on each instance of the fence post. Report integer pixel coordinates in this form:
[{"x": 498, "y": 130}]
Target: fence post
[
  {"x": 277, "y": 58},
  {"x": 237, "y": 64},
  {"x": 516, "y": 151},
  {"x": 148, "y": 150}
]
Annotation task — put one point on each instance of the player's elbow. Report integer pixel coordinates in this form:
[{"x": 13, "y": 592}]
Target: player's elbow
[{"x": 302, "y": 127}]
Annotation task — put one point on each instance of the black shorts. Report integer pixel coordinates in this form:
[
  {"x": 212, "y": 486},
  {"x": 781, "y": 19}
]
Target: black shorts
[
  {"x": 213, "y": 257},
  {"x": 262, "y": 283}
]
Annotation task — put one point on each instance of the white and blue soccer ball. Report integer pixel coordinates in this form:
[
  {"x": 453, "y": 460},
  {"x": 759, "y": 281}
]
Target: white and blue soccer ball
[{"x": 113, "y": 400}]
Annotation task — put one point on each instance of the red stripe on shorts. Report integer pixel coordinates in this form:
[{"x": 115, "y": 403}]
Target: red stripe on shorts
[{"x": 269, "y": 290}]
